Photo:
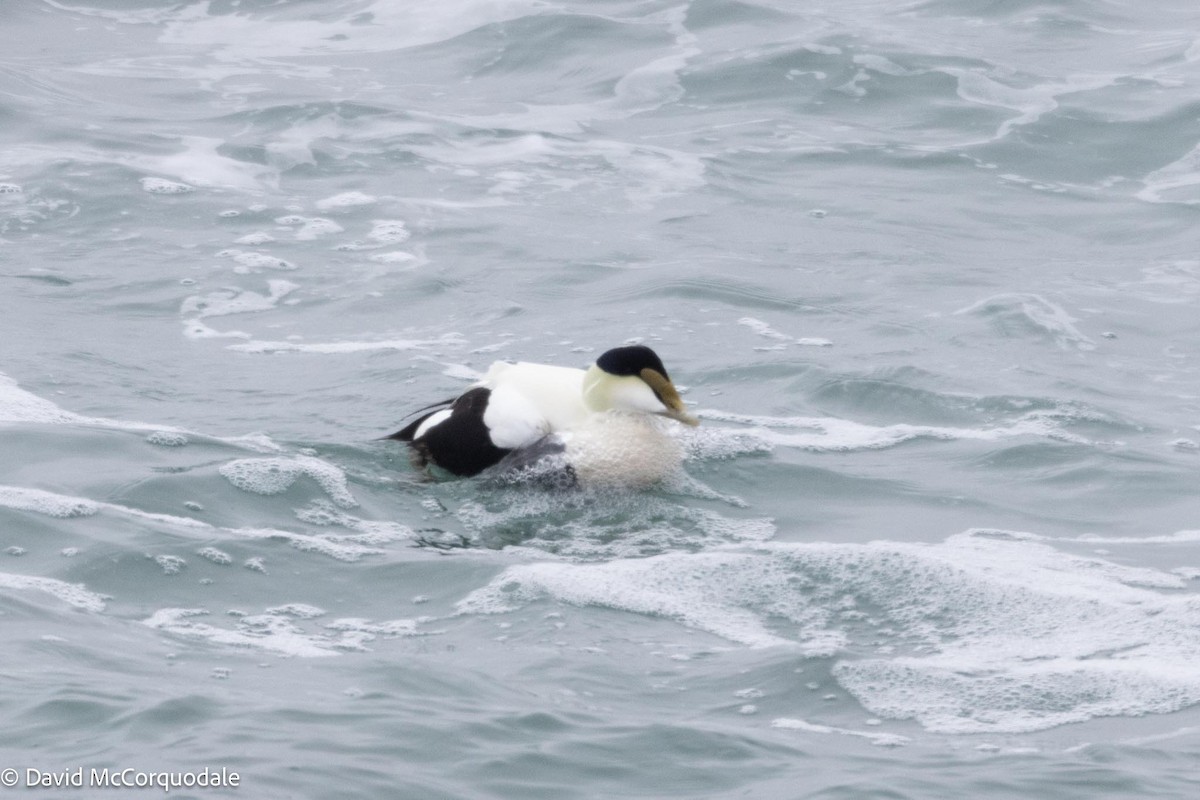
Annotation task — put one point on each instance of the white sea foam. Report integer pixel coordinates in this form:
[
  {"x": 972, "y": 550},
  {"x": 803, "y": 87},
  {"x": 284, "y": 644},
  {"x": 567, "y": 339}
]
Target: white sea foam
[
  {"x": 48, "y": 503},
  {"x": 283, "y": 630},
  {"x": 389, "y": 231},
  {"x": 18, "y": 405},
  {"x": 610, "y": 524},
  {"x": 63, "y": 506},
  {"x": 272, "y": 632},
  {"x": 195, "y": 329},
  {"x": 73, "y": 594},
  {"x": 171, "y": 565},
  {"x": 167, "y": 438},
  {"x": 236, "y": 301},
  {"x": 309, "y": 228},
  {"x": 529, "y": 163},
  {"x": 986, "y": 631},
  {"x": 214, "y": 555},
  {"x": 1013, "y": 311},
  {"x": 874, "y": 737},
  {"x": 1172, "y": 282},
  {"x": 341, "y": 548},
  {"x": 767, "y": 332},
  {"x": 370, "y": 533},
  {"x": 346, "y": 200},
  {"x": 245, "y": 37},
  {"x": 394, "y": 257},
  {"x": 364, "y": 538},
  {"x": 708, "y": 591},
  {"x": 1177, "y": 182},
  {"x": 1179, "y": 537},
  {"x": 164, "y": 186},
  {"x": 338, "y": 348},
  {"x": 253, "y": 261},
  {"x": 255, "y": 239},
  {"x": 829, "y": 434},
  {"x": 269, "y": 476},
  {"x": 1031, "y": 103}
]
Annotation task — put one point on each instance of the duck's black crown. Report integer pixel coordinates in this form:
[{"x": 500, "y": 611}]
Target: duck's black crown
[{"x": 631, "y": 361}]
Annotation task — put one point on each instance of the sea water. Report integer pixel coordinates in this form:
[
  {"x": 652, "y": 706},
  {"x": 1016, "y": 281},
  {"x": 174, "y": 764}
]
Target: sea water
[{"x": 927, "y": 272}]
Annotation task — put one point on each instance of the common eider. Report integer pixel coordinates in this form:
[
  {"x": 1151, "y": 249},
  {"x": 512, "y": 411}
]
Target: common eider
[{"x": 600, "y": 426}]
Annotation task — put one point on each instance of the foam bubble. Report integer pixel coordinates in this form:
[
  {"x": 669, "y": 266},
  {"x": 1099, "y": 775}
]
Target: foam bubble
[
  {"x": 214, "y": 555},
  {"x": 73, "y": 594},
  {"x": 389, "y": 231},
  {"x": 171, "y": 565},
  {"x": 268, "y": 476},
  {"x": 167, "y": 438},
  {"x": 164, "y": 186}
]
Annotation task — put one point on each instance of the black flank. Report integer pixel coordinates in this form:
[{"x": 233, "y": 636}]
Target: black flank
[{"x": 461, "y": 443}]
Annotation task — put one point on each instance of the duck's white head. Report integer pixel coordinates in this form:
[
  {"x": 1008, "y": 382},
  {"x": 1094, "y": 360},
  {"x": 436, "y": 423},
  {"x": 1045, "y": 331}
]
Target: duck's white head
[{"x": 633, "y": 379}]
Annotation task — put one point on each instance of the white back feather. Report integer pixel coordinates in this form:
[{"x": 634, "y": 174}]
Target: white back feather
[{"x": 530, "y": 400}]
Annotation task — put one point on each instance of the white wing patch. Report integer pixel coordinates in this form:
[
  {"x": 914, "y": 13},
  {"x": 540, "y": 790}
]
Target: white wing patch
[
  {"x": 512, "y": 420},
  {"x": 435, "y": 418}
]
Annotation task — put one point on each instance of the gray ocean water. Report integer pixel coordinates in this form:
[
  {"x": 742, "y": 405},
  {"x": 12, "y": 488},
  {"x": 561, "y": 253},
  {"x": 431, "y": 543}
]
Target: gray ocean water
[{"x": 927, "y": 271}]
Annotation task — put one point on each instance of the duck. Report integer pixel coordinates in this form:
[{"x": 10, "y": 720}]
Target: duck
[{"x": 608, "y": 425}]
